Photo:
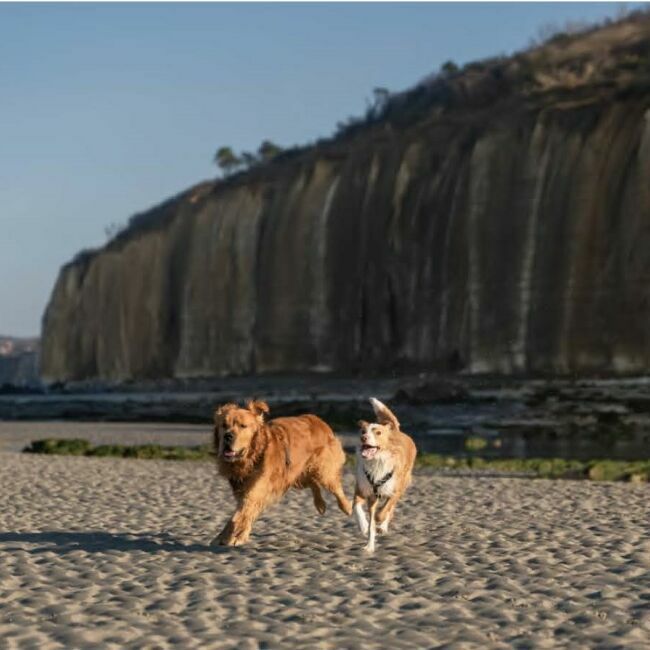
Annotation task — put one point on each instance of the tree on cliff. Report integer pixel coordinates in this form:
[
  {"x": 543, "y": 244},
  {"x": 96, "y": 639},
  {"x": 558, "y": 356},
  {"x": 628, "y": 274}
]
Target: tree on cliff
[
  {"x": 449, "y": 67},
  {"x": 249, "y": 159},
  {"x": 381, "y": 97},
  {"x": 268, "y": 150},
  {"x": 113, "y": 229},
  {"x": 227, "y": 160}
]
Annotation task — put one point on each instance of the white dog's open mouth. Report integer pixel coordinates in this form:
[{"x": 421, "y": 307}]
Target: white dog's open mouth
[{"x": 368, "y": 451}]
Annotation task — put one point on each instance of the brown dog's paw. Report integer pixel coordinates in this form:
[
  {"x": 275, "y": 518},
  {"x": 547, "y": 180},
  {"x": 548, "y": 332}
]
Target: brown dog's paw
[
  {"x": 238, "y": 540},
  {"x": 321, "y": 506},
  {"x": 223, "y": 538}
]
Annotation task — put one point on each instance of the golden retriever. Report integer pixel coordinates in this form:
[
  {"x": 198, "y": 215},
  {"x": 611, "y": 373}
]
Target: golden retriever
[
  {"x": 261, "y": 460},
  {"x": 385, "y": 459}
]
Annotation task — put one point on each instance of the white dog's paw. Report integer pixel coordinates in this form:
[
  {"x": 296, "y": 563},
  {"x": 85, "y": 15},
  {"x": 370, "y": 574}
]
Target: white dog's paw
[{"x": 369, "y": 549}]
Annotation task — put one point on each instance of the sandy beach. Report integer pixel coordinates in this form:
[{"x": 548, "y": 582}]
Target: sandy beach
[{"x": 113, "y": 553}]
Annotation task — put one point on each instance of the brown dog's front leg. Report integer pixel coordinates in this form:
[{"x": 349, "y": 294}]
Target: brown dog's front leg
[
  {"x": 237, "y": 531},
  {"x": 222, "y": 538}
]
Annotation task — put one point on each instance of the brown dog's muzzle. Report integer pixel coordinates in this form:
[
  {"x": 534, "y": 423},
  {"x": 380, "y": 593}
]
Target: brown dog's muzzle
[{"x": 228, "y": 452}]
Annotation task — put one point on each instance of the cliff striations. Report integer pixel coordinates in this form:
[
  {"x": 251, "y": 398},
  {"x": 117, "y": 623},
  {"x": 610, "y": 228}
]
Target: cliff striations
[{"x": 494, "y": 219}]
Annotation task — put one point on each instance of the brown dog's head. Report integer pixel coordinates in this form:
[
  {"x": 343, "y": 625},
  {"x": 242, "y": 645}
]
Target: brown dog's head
[
  {"x": 235, "y": 428},
  {"x": 376, "y": 436}
]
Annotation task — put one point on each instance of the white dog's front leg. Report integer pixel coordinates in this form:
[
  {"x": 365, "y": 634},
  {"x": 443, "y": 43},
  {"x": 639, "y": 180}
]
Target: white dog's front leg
[
  {"x": 360, "y": 516},
  {"x": 372, "y": 528}
]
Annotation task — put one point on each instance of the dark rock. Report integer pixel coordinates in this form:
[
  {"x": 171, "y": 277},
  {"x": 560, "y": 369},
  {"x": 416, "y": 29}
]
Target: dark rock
[{"x": 433, "y": 390}]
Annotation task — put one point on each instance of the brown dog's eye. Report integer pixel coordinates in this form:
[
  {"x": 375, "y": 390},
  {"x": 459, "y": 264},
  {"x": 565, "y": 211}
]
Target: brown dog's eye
[{"x": 377, "y": 433}]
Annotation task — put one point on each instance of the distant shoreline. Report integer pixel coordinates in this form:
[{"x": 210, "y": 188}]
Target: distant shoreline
[
  {"x": 506, "y": 418},
  {"x": 548, "y": 468}
]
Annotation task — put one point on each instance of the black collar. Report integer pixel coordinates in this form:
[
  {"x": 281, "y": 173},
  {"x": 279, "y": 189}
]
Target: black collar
[{"x": 377, "y": 484}]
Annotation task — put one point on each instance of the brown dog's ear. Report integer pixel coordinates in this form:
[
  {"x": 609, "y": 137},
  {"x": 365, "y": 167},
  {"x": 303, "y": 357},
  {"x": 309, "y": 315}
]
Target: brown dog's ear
[
  {"x": 259, "y": 408},
  {"x": 383, "y": 414},
  {"x": 222, "y": 410}
]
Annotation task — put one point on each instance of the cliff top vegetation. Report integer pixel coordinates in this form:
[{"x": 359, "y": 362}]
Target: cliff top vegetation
[{"x": 573, "y": 63}]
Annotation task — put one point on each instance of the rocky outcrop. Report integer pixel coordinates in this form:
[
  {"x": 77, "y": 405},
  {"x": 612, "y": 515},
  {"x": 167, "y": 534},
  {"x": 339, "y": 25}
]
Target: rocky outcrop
[{"x": 502, "y": 228}]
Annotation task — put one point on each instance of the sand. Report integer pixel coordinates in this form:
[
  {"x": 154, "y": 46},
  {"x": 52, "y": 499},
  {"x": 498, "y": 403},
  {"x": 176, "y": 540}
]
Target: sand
[{"x": 112, "y": 553}]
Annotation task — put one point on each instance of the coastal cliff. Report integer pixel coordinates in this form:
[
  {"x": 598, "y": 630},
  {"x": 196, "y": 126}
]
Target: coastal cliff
[{"x": 494, "y": 219}]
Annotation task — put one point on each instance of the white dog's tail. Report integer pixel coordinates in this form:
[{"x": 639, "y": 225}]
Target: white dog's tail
[{"x": 383, "y": 414}]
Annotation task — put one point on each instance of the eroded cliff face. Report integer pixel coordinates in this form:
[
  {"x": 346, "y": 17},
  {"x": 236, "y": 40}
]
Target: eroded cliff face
[{"x": 508, "y": 237}]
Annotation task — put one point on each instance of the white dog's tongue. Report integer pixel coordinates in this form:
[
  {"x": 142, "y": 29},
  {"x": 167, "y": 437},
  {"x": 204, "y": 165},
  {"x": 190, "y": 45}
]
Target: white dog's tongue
[{"x": 368, "y": 452}]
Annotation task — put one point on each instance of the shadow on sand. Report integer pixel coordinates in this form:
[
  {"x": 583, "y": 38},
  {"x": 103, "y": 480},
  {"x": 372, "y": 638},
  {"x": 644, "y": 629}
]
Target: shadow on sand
[{"x": 62, "y": 542}]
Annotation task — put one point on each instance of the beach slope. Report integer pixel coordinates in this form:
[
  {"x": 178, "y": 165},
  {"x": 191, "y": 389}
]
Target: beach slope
[{"x": 113, "y": 553}]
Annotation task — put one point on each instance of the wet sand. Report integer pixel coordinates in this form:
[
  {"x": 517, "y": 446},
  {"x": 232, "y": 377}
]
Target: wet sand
[
  {"x": 113, "y": 553},
  {"x": 15, "y": 436}
]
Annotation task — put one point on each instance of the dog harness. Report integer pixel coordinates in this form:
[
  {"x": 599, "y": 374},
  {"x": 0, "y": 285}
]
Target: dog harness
[{"x": 377, "y": 484}]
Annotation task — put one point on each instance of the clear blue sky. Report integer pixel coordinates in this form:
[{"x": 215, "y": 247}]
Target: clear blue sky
[{"x": 108, "y": 109}]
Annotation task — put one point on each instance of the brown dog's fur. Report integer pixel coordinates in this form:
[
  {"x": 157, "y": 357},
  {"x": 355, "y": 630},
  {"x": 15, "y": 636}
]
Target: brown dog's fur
[{"x": 262, "y": 460}]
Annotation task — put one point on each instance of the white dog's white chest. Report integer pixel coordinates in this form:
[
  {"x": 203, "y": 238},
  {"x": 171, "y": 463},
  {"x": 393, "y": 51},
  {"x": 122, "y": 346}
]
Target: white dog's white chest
[{"x": 375, "y": 477}]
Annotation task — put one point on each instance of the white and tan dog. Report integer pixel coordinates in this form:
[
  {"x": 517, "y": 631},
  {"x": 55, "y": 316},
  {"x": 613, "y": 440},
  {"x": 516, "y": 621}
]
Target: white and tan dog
[{"x": 385, "y": 460}]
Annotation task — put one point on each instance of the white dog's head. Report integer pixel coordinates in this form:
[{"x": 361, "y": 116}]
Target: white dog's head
[{"x": 376, "y": 436}]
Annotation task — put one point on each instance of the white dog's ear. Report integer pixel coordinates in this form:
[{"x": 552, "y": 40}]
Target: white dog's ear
[{"x": 383, "y": 414}]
